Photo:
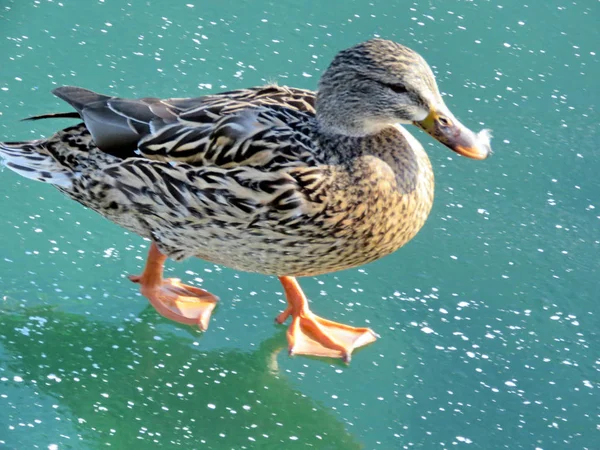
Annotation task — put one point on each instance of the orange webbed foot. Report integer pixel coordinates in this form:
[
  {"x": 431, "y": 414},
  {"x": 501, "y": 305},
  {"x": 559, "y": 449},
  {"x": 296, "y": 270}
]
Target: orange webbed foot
[
  {"x": 179, "y": 302},
  {"x": 312, "y": 335},
  {"x": 171, "y": 298}
]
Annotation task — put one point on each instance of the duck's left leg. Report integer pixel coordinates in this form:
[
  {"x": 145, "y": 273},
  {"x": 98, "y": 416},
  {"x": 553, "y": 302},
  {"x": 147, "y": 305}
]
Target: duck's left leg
[
  {"x": 174, "y": 300},
  {"x": 309, "y": 334}
]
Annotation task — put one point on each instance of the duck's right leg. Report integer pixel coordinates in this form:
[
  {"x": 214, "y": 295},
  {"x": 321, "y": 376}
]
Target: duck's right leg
[{"x": 171, "y": 298}]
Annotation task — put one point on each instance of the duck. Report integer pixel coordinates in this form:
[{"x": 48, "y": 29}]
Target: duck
[{"x": 276, "y": 180}]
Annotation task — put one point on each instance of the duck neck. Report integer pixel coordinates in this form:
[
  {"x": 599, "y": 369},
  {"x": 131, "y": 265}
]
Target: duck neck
[
  {"x": 341, "y": 145},
  {"x": 393, "y": 146}
]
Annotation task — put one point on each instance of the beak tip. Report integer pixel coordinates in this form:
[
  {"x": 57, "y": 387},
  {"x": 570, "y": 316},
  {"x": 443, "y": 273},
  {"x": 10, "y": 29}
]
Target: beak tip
[
  {"x": 483, "y": 139},
  {"x": 482, "y": 147}
]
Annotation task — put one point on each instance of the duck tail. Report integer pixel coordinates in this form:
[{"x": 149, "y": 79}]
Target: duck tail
[
  {"x": 54, "y": 160},
  {"x": 31, "y": 159}
]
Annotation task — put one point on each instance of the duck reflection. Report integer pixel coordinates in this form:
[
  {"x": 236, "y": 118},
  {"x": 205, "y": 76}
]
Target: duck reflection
[{"x": 120, "y": 386}]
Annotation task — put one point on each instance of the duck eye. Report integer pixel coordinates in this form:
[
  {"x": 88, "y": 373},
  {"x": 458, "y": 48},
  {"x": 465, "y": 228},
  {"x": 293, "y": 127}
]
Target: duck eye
[
  {"x": 398, "y": 88},
  {"x": 444, "y": 121}
]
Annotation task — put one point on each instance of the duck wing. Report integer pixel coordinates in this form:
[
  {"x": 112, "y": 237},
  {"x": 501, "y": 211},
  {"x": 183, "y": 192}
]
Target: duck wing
[{"x": 223, "y": 129}]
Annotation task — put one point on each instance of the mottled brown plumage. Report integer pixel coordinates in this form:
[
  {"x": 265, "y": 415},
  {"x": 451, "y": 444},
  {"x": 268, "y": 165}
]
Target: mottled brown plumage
[{"x": 257, "y": 179}]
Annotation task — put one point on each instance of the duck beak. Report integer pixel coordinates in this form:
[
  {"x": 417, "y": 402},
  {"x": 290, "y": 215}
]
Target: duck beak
[{"x": 444, "y": 127}]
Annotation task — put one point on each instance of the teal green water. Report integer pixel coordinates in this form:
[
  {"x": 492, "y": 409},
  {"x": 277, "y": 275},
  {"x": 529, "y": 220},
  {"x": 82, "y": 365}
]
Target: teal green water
[{"x": 488, "y": 318}]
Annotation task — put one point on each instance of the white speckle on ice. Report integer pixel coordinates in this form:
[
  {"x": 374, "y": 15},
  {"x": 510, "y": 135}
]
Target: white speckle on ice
[{"x": 24, "y": 331}]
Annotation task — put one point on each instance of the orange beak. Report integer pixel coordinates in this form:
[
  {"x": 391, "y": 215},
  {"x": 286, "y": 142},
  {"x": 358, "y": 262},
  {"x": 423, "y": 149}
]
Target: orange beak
[{"x": 443, "y": 127}]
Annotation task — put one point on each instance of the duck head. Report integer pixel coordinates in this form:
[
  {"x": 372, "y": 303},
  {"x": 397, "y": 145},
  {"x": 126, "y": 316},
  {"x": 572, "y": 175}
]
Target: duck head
[{"x": 379, "y": 83}]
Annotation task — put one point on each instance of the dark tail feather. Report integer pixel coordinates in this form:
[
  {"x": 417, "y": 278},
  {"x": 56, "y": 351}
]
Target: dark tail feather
[
  {"x": 111, "y": 130},
  {"x": 68, "y": 115},
  {"x": 78, "y": 97}
]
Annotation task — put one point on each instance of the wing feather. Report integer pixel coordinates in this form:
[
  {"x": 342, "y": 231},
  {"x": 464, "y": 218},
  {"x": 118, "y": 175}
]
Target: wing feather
[{"x": 236, "y": 127}]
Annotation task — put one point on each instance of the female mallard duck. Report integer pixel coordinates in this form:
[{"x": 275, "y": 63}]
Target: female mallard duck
[{"x": 275, "y": 180}]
